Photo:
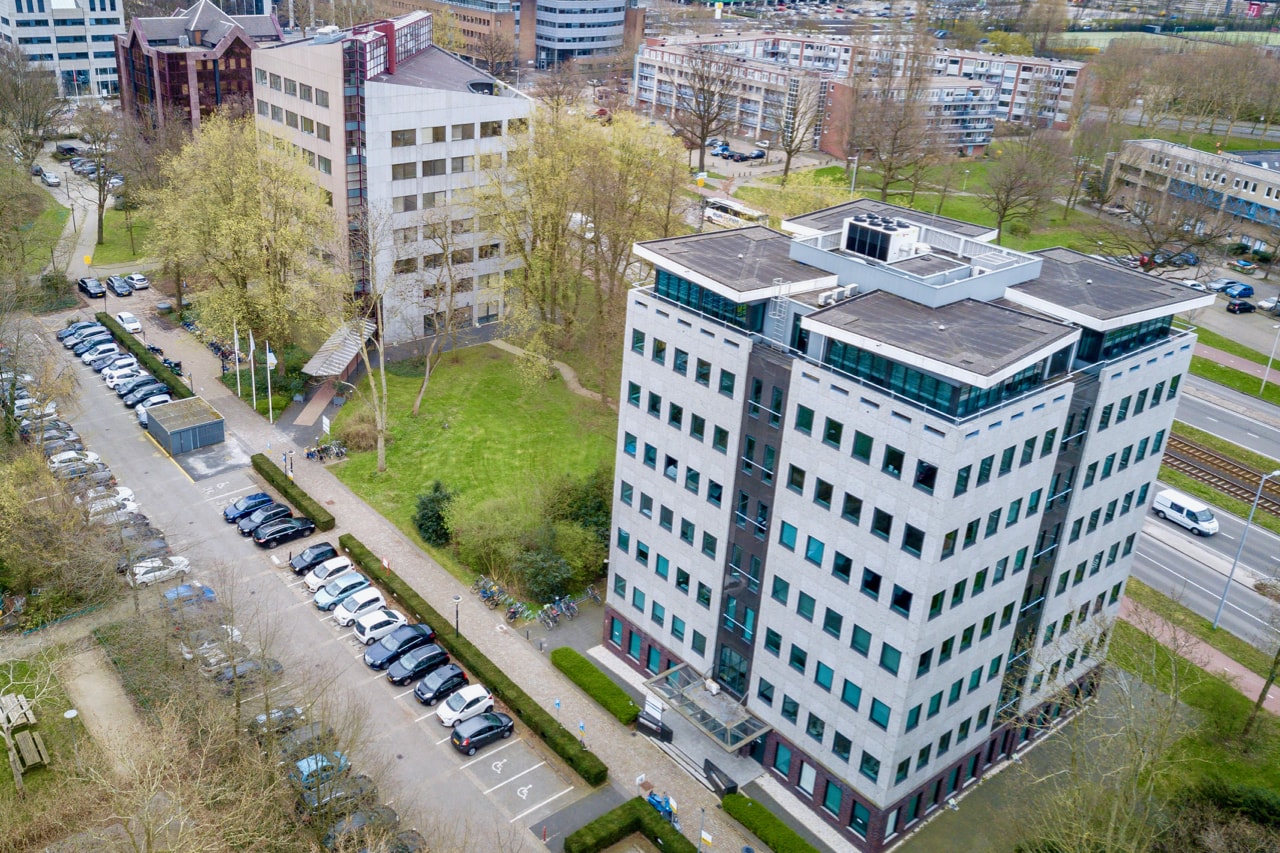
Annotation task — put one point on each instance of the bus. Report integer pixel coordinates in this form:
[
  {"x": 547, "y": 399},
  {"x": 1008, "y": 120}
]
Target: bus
[{"x": 732, "y": 214}]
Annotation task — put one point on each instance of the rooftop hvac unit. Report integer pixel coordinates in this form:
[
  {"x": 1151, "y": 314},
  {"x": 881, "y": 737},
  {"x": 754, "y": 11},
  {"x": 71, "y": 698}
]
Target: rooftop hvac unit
[
  {"x": 880, "y": 238},
  {"x": 827, "y": 298}
]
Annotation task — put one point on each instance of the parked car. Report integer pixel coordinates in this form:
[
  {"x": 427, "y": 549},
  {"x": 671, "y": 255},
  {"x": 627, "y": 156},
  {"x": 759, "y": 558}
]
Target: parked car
[
  {"x": 144, "y": 393},
  {"x": 124, "y": 389},
  {"x": 187, "y": 599},
  {"x": 338, "y": 796},
  {"x": 325, "y": 572},
  {"x": 337, "y": 590},
  {"x": 128, "y": 321},
  {"x": 306, "y": 740},
  {"x": 103, "y": 362},
  {"x": 200, "y": 640},
  {"x": 438, "y": 684},
  {"x": 138, "y": 281},
  {"x": 1238, "y": 291},
  {"x": 357, "y": 604},
  {"x": 78, "y": 326},
  {"x": 277, "y": 721},
  {"x": 400, "y": 641},
  {"x": 49, "y": 179},
  {"x": 315, "y": 770},
  {"x": 117, "y": 285},
  {"x": 62, "y": 445},
  {"x": 757, "y": 154},
  {"x": 107, "y": 508},
  {"x": 370, "y": 821},
  {"x": 1239, "y": 306},
  {"x": 245, "y": 506},
  {"x": 92, "y": 288},
  {"x": 1268, "y": 304},
  {"x": 1220, "y": 284},
  {"x": 273, "y": 533},
  {"x": 376, "y": 624},
  {"x": 94, "y": 353},
  {"x": 470, "y": 735},
  {"x": 114, "y": 378},
  {"x": 464, "y": 704},
  {"x": 1190, "y": 283},
  {"x": 72, "y": 457},
  {"x": 93, "y": 335},
  {"x": 312, "y": 556},
  {"x": 417, "y": 663},
  {"x": 222, "y": 657},
  {"x": 141, "y": 411},
  {"x": 247, "y": 673},
  {"x": 408, "y": 841},
  {"x": 158, "y": 569},
  {"x": 260, "y": 516},
  {"x": 88, "y": 343},
  {"x": 122, "y": 361}
]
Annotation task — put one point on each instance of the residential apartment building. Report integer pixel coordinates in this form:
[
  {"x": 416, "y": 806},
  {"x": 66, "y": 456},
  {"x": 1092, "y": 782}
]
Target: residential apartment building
[
  {"x": 190, "y": 63},
  {"x": 1234, "y": 192},
  {"x": 879, "y": 481},
  {"x": 72, "y": 38},
  {"x": 399, "y": 133}
]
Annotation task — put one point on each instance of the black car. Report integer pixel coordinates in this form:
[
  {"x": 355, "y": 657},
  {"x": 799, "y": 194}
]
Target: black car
[
  {"x": 90, "y": 342},
  {"x": 247, "y": 673},
  {"x": 416, "y": 663},
  {"x": 142, "y": 392},
  {"x": 277, "y": 721},
  {"x": 1239, "y": 306},
  {"x": 61, "y": 445},
  {"x": 403, "y": 639},
  {"x": 127, "y": 387},
  {"x": 245, "y": 506},
  {"x": 260, "y": 516},
  {"x": 273, "y": 533},
  {"x": 312, "y": 556},
  {"x": 339, "y": 795},
  {"x": 470, "y": 735},
  {"x": 439, "y": 684},
  {"x": 378, "y": 819},
  {"x": 119, "y": 286},
  {"x": 92, "y": 288},
  {"x": 143, "y": 549},
  {"x": 100, "y": 364}
]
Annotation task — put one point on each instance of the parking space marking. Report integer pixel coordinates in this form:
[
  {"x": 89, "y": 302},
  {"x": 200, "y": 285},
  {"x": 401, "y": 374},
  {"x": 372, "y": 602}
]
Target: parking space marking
[
  {"x": 298, "y": 604},
  {"x": 425, "y": 716},
  {"x": 445, "y": 739},
  {"x": 515, "y": 777},
  {"x": 381, "y": 676},
  {"x": 511, "y": 742},
  {"x": 540, "y": 805},
  {"x": 225, "y": 495},
  {"x": 404, "y": 694}
]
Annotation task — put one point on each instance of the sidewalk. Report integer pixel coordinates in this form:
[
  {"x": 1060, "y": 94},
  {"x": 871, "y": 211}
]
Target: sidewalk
[{"x": 1244, "y": 365}]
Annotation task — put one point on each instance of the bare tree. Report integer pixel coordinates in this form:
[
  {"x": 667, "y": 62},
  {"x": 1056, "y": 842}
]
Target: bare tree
[
  {"x": 797, "y": 117},
  {"x": 1022, "y": 182},
  {"x": 31, "y": 109},
  {"x": 706, "y": 98},
  {"x": 441, "y": 281},
  {"x": 888, "y": 127},
  {"x": 559, "y": 89},
  {"x": 21, "y": 203},
  {"x": 370, "y": 234},
  {"x": 495, "y": 50},
  {"x": 98, "y": 130}
]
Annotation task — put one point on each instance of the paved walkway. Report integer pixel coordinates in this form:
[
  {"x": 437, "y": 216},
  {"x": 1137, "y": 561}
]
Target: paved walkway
[{"x": 1244, "y": 365}]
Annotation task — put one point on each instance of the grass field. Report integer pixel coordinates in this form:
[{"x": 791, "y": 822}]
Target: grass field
[
  {"x": 480, "y": 432},
  {"x": 47, "y": 230},
  {"x": 116, "y": 248}
]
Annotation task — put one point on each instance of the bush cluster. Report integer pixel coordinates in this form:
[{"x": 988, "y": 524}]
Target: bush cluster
[
  {"x": 765, "y": 825},
  {"x": 635, "y": 815},
  {"x": 431, "y": 518},
  {"x": 292, "y": 492},
  {"x": 587, "y": 765},
  {"x": 1259, "y": 805},
  {"x": 178, "y": 389},
  {"x": 595, "y": 684}
]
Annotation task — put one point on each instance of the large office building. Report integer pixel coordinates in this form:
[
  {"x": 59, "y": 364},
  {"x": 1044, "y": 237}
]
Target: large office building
[
  {"x": 878, "y": 484},
  {"x": 188, "y": 64},
  {"x": 75, "y": 39},
  {"x": 400, "y": 134},
  {"x": 1234, "y": 195}
]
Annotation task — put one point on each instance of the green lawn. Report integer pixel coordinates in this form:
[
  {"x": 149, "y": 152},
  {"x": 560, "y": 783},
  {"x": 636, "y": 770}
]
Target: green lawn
[
  {"x": 480, "y": 432},
  {"x": 47, "y": 230},
  {"x": 1237, "y": 380},
  {"x": 58, "y": 733},
  {"x": 1222, "y": 342},
  {"x": 116, "y": 248}
]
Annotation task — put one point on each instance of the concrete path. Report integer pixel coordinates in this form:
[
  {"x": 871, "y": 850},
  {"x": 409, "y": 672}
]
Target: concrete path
[
  {"x": 104, "y": 708},
  {"x": 1244, "y": 365}
]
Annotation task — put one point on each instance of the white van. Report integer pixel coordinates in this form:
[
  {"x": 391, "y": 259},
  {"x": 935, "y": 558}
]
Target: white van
[{"x": 1187, "y": 511}]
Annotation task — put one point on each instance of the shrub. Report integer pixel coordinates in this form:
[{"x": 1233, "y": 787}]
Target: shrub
[
  {"x": 359, "y": 431},
  {"x": 595, "y": 684},
  {"x": 431, "y": 520},
  {"x": 588, "y": 503},
  {"x": 543, "y": 574},
  {"x": 1259, "y": 805},
  {"x": 587, "y": 765},
  {"x": 178, "y": 389},
  {"x": 765, "y": 825},
  {"x": 580, "y": 548},
  {"x": 292, "y": 492},
  {"x": 635, "y": 815}
]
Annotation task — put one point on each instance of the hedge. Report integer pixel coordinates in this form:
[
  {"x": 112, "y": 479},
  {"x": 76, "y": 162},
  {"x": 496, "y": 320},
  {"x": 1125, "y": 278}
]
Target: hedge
[
  {"x": 595, "y": 684},
  {"x": 765, "y": 825},
  {"x": 565, "y": 744},
  {"x": 292, "y": 492},
  {"x": 1259, "y": 805},
  {"x": 635, "y": 815},
  {"x": 178, "y": 389}
]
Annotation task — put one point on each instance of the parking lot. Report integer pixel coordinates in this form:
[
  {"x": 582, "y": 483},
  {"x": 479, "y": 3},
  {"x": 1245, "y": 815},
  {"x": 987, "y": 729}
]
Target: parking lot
[{"x": 494, "y": 797}]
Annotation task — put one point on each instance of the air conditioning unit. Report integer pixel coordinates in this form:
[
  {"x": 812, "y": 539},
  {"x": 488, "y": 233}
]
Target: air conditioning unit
[
  {"x": 712, "y": 687},
  {"x": 827, "y": 298}
]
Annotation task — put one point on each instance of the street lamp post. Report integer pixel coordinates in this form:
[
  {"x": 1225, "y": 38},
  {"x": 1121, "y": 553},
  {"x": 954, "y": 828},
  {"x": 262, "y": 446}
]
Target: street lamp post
[
  {"x": 1217, "y": 617},
  {"x": 965, "y": 185},
  {"x": 457, "y": 600},
  {"x": 70, "y": 715},
  {"x": 853, "y": 174},
  {"x": 1267, "y": 372}
]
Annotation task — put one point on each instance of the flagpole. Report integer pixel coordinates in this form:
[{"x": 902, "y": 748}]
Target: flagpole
[
  {"x": 253, "y": 377},
  {"x": 271, "y": 418},
  {"x": 236, "y": 334}
]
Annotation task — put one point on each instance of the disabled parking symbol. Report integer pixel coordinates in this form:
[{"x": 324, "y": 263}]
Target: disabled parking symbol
[
  {"x": 497, "y": 765},
  {"x": 523, "y": 792}
]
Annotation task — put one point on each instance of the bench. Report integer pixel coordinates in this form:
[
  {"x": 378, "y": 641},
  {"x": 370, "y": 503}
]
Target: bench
[
  {"x": 17, "y": 710},
  {"x": 31, "y": 751}
]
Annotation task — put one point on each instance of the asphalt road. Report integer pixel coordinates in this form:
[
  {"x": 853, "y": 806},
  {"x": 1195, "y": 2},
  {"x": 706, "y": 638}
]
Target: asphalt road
[{"x": 485, "y": 802}]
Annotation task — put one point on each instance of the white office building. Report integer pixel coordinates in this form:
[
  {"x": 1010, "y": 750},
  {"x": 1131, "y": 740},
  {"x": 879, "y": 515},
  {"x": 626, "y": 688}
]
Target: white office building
[
  {"x": 878, "y": 483},
  {"x": 75, "y": 39}
]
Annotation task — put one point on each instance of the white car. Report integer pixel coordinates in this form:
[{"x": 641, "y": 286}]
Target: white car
[
  {"x": 356, "y": 605},
  {"x": 119, "y": 493},
  {"x": 325, "y": 572},
  {"x": 31, "y": 409},
  {"x": 129, "y": 322},
  {"x": 71, "y": 457},
  {"x": 376, "y": 624},
  {"x": 465, "y": 704},
  {"x": 204, "y": 639},
  {"x": 1268, "y": 304},
  {"x": 158, "y": 569},
  {"x": 115, "y": 377},
  {"x": 140, "y": 411},
  {"x": 99, "y": 351},
  {"x": 137, "y": 281},
  {"x": 104, "y": 507}
]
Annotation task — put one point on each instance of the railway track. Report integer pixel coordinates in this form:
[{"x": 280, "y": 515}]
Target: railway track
[{"x": 1220, "y": 472}]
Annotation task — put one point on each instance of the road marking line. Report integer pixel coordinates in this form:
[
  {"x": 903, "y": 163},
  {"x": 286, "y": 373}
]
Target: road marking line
[
  {"x": 511, "y": 742},
  {"x": 152, "y": 439},
  {"x": 540, "y": 805},
  {"x": 223, "y": 495},
  {"x": 447, "y": 738},
  {"x": 380, "y": 676},
  {"x": 424, "y": 716},
  {"x": 515, "y": 777},
  {"x": 1215, "y": 420},
  {"x": 404, "y": 694},
  {"x": 300, "y": 603},
  {"x": 1251, "y": 435}
]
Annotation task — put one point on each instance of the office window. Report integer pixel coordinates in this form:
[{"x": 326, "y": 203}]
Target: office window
[
  {"x": 926, "y": 476},
  {"x": 400, "y": 138},
  {"x": 890, "y": 658},
  {"x": 805, "y": 606},
  {"x": 833, "y": 433},
  {"x": 880, "y": 713},
  {"x": 814, "y": 550},
  {"x": 862, "y": 444},
  {"x": 893, "y": 462},
  {"x": 871, "y": 584},
  {"x": 842, "y": 567},
  {"x": 804, "y": 419},
  {"x": 680, "y": 364},
  {"x": 720, "y": 439},
  {"x": 698, "y": 644},
  {"x": 823, "y": 676},
  {"x": 912, "y": 540},
  {"x": 861, "y": 642},
  {"x": 1006, "y": 460},
  {"x": 984, "y": 470},
  {"x": 841, "y": 746},
  {"x": 833, "y": 623},
  {"x": 851, "y": 694},
  {"x": 881, "y": 524},
  {"x": 790, "y": 708},
  {"x": 962, "y": 480},
  {"x": 727, "y": 383},
  {"x": 702, "y": 372},
  {"x": 799, "y": 658},
  {"x": 851, "y": 509},
  {"x": 900, "y": 603}
]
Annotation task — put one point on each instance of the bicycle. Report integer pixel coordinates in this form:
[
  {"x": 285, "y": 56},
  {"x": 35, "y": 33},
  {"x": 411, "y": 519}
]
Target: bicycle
[
  {"x": 593, "y": 595},
  {"x": 479, "y": 584}
]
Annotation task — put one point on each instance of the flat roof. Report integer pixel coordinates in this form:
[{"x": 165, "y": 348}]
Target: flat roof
[
  {"x": 743, "y": 259},
  {"x": 1103, "y": 291},
  {"x": 977, "y": 337},
  {"x": 832, "y": 218},
  {"x": 433, "y": 68},
  {"x": 183, "y": 414}
]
